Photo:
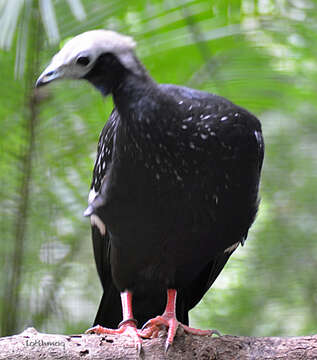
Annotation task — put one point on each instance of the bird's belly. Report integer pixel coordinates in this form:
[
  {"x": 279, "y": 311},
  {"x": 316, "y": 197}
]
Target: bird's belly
[
  {"x": 161, "y": 247},
  {"x": 161, "y": 240},
  {"x": 155, "y": 262}
]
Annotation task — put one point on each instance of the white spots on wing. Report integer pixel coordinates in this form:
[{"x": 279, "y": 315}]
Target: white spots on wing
[
  {"x": 205, "y": 117},
  {"x": 103, "y": 158},
  {"x": 204, "y": 136},
  {"x": 207, "y": 127},
  {"x": 188, "y": 119},
  {"x": 184, "y": 127},
  {"x": 92, "y": 195},
  {"x": 258, "y": 138},
  {"x": 192, "y": 145},
  {"x": 181, "y": 102},
  {"x": 236, "y": 114},
  {"x": 96, "y": 221},
  {"x": 103, "y": 179},
  {"x": 224, "y": 118},
  {"x": 190, "y": 107},
  {"x": 179, "y": 178},
  {"x": 232, "y": 247}
]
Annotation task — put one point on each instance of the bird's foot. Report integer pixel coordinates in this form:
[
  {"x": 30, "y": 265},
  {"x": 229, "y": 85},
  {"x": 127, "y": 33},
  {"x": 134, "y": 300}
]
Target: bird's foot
[
  {"x": 127, "y": 328},
  {"x": 152, "y": 327}
]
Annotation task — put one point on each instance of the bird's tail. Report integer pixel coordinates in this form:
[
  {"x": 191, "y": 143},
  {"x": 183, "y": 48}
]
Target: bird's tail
[
  {"x": 109, "y": 313},
  {"x": 182, "y": 308},
  {"x": 196, "y": 290}
]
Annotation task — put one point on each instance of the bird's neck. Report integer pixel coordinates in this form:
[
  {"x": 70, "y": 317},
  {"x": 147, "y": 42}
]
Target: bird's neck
[
  {"x": 131, "y": 93},
  {"x": 138, "y": 101}
]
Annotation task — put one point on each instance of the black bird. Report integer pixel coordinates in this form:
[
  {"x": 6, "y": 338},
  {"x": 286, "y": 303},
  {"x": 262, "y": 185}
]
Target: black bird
[{"x": 174, "y": 190}]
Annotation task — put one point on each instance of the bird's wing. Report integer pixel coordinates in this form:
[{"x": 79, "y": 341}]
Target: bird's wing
[
  {"x": 249, "y": 145},
  {"x": 104, "y": 154},
  {"x": 100, "y": 236},
  {"x": 103, "y": 161}
]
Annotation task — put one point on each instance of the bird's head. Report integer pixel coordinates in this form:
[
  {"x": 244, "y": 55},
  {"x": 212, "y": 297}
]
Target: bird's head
[{"x": 99, "y": 56}]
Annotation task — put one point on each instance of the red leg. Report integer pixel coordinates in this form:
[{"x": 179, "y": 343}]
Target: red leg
[
  {"x": 127, "y": 326},
  {"x": 168, "y": 319}
]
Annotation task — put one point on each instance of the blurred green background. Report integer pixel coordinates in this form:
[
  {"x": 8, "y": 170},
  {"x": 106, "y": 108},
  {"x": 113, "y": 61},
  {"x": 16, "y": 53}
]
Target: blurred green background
[{"x": 261, "y": 54}]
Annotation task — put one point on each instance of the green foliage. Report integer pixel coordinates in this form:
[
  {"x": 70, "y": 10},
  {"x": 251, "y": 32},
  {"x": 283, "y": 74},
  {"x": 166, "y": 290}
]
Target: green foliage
[{"x": 259, "y": 53}]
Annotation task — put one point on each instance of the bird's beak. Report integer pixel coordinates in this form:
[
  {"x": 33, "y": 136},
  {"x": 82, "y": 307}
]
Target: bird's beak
[{"x": 48, "y": 75}]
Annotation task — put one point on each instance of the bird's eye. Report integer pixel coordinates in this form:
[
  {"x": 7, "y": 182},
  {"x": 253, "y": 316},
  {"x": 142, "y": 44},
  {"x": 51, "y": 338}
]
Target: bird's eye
[{"x": 83, "y": 60}]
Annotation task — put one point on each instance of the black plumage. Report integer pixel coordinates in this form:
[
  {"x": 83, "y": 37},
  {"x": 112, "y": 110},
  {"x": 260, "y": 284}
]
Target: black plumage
[
  {"x": 174, "y": 190},
  {"x": 181, "y": 171}
]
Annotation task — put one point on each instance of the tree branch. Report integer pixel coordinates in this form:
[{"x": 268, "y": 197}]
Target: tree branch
[{"x": 34, "y": 345}]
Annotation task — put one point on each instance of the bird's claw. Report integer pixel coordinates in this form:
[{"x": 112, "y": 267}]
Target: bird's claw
[
  {"x": 95, "y": 330},
  {"x": 152, "y": 327},
  {"x": 128, "y": 329}
]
